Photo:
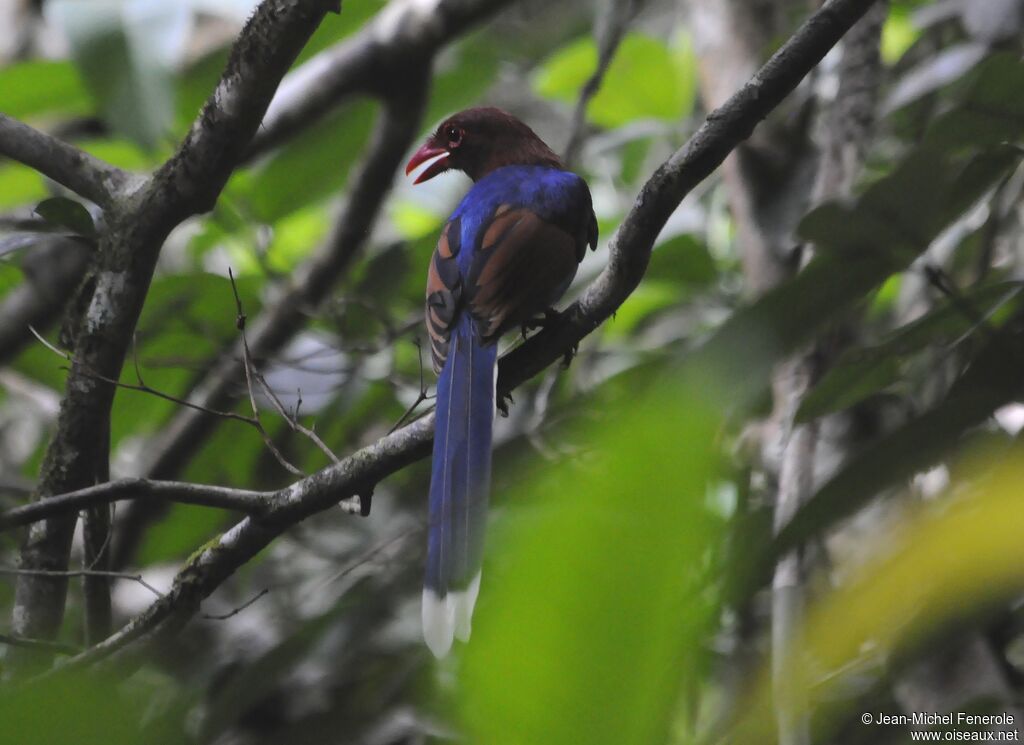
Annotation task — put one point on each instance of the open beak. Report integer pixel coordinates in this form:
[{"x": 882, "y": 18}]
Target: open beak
[{"x": 424, "y": 154}]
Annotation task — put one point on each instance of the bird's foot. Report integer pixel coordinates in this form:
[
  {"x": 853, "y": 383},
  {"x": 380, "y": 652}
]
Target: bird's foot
[
  {"x": 540, "y": 322},
  {"x": 569, "y": 354},
  {"x": 503, "y": 402},
  {"x": 365, "y": 501}
]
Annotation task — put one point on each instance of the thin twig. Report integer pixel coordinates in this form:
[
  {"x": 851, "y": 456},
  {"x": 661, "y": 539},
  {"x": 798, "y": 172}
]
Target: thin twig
[
  {"x": 422, "y": 394},
  {"x": 239, "y": 609},
  {"x": 16, "y": 572},
  {"x": 252, "y": 374},
  {"x": 249, "y": 502},
  {"x": 40, "y": 644},
  {"x": 140, "y": 387}
]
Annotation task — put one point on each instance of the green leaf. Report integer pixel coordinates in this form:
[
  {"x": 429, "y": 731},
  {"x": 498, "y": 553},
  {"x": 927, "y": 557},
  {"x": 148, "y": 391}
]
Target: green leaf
[
  {"x": 649, "y": 298},
  {"x": 67, "y": 213},
  {"x": 990, "y": 381},
  {"x": 311, "y": 166},
  {"x": 683, "y": 259},
  {"x": 42, "y": 87},
  {"x": 864, "y": 372},
  {"x": 94, "y": 710},
  {"x": 595, "y": 605},
  {"x": 899, "y": 215},
  {"x": 646, "y": 79},
  {"x": 898, "y": 35},
  {"x": 855, "y": 377},
  {"x": 992, "y": 112},
  {"x": 462, "y": 83},
  {"x": 19, "y": 185},
  {"x": 124, "y": 63},
  {"x": 414, "y": 221},
  {"x": 187, "y": 319}
]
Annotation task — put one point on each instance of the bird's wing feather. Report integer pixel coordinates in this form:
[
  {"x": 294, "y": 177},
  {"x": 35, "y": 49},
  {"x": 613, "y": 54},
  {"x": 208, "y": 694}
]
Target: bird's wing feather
[
  {"x": 444, "y": 293},
  {"x": 522, "y": 266}
]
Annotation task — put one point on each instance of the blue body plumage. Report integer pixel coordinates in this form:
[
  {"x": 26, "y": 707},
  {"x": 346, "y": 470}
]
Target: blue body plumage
[{"x": 508, "y": 252}]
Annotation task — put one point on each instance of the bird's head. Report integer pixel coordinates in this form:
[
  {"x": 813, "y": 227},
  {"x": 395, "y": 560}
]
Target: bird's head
[{"x": 476, "y": 141}]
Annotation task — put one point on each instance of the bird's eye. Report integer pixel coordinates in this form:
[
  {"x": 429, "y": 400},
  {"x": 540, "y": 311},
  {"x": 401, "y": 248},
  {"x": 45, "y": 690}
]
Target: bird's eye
[{"x": 454, "y": 135}]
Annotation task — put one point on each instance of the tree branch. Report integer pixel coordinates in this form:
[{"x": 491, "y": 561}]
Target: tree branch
[
  {"x": 403, "y": 37},
  {"x": 84, "y": 174},
  {"x": 40, "y": 644},
  {"x": 631, "y": 247},
  {"x": 241, "y": 500}
]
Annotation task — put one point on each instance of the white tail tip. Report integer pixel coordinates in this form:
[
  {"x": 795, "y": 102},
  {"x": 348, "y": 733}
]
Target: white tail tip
[{"x": 449, "y": 616}]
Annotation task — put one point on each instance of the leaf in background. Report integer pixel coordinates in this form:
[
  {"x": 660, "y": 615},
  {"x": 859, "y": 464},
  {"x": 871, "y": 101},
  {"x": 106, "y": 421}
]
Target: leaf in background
[
  {"x": 683, "y": 259},
  {"x": 125, "y": 52},
  {"x": 649, "y": 298},
  {"x": 863, "y": 372},
  {"x": 94, "y": 710},
  {"x": 42, "y": 87},
  {"x": 941, "y": 570},
  {"x": 898, "y": 34},
  {"x": 595, "y": 605},
  {"x": 123, "y": 153},
  {"x": 186, "y": 526},
  {"x": 295, "y": 237},
  {"x": 463, "y": 83},
  {"x": 413, "y": 221},
  {"x": 19, "y": 185},
  {"x": 311, "y": 166},
  {"x": 991, "y": 113},
  {"x": 67, "y": 213},
  {"x": 935, "y": 73},
  {"x": 186, "y": 320},
  {"x": 899, "y": 215},
  {"x": 337, "y": 26},
  {"x": 646, "y": 79}
]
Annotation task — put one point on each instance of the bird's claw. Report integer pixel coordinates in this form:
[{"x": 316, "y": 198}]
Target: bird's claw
[
  {"x": 365, "y": 501},
  {"x": 570, "y": 353},
  {"x": 540, "y": 322},
  {"x": 504, "y": 400}
]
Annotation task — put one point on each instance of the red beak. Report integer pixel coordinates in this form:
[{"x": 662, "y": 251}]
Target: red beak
[{"x": 424, "y": 154}]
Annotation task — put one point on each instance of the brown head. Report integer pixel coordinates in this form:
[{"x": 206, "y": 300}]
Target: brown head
[{"x": 477, "y": 141}]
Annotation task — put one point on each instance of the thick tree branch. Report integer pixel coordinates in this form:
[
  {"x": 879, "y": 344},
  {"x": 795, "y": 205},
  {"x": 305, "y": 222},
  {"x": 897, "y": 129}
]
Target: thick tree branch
[
  {"x": 403, "y": 37},
  {"x": 252, "y": 502},
  {"x": 135, "y": 229},
  {"x": 631, "y": 247},
  {"x": 84, "y": 174}
]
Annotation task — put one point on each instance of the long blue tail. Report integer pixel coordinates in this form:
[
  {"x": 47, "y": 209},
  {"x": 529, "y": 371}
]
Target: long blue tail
[{"x": 459, "y": 485}]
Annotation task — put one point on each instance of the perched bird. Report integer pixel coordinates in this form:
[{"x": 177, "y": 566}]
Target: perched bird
[{"x": 505, "y": 256}]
